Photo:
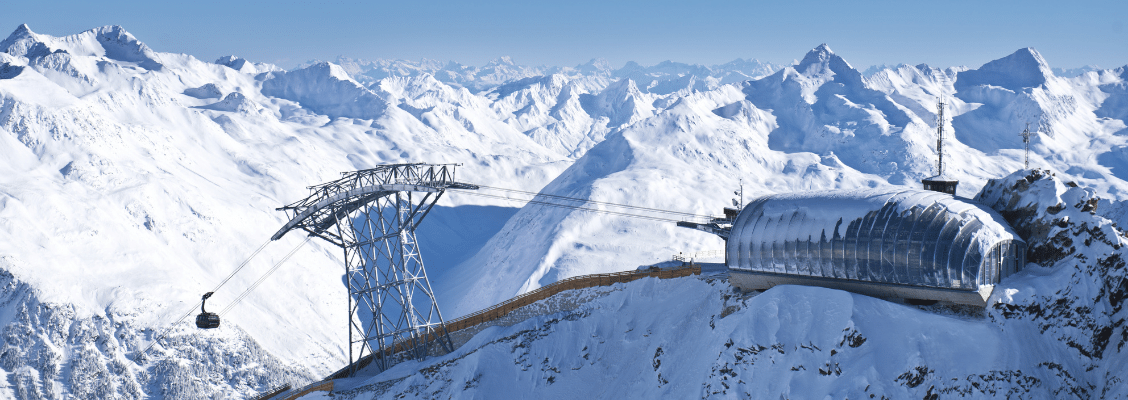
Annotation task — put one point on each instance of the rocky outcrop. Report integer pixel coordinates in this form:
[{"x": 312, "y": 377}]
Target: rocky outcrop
[
  {"x": 1080, "y": 282},
  {"x": 50, "y": 351}
]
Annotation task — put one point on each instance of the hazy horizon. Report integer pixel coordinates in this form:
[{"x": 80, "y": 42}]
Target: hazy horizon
[{"x": 290, "y": 33}]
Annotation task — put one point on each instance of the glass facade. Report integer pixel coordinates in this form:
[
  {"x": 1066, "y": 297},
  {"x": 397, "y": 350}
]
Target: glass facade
[{"x": 885, "y": 235}]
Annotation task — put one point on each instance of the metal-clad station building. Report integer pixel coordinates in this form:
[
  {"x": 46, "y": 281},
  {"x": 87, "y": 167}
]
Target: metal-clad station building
[{"x": 886, "y": 242}]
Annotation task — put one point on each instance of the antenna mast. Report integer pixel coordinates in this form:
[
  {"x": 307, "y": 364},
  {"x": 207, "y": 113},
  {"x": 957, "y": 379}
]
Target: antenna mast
[
  {"x": 940, "y": 183},
  {"x": 741, "y": 193},
  {"x": 739, "y": 205},
  {"x": 940, "y": 136},
  {"x": 1026, "y": 134}
]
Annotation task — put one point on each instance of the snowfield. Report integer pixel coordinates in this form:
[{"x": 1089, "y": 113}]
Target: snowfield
[
  {"x": 133, "y": 181},
  {"x": 1055, "y": 330}
]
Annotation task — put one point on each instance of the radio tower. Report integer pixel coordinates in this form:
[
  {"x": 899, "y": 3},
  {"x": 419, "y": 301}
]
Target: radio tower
[
  {"x": 940, "y": 137},
  {"x": 940, "y": 183},
  {"x": 1026, "y": 134}
]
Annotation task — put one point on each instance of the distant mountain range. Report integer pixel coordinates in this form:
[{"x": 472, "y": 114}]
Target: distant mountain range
[{"x": 132, "y": 181}]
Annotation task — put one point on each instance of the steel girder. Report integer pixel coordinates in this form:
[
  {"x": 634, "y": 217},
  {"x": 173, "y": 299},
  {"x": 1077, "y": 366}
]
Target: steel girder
[{"x": 372, "y": 215}]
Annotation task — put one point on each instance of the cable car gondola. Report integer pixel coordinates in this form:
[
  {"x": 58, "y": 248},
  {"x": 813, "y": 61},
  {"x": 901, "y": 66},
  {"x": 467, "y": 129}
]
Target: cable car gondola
[{"x": 207, "y": 320}]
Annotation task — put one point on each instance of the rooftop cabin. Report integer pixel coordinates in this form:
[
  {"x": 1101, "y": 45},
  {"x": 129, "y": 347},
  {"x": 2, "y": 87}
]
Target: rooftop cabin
[
  {"x": 941, "y": 183},
  {"x": 887, "y": 242}
]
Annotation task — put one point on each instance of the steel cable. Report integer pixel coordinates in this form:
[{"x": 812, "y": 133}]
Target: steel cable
[
  {"x": 536, "y": 194},
  {"x": 264, "y": 276},
  {"x": 168, "y": 327},
  {"x": 241, "y": 266},
  {"x": 589, "y": 209},
  {"x": 544, "y": 201}
]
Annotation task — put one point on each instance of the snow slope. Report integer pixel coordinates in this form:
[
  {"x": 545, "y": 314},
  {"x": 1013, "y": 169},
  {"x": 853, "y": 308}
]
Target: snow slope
[
  {"x": 132, "y": 181},
  {"x": 124, "y": 199},
  {"x": 816, "y": 124},
  {"x": 1054, "y": 330}
]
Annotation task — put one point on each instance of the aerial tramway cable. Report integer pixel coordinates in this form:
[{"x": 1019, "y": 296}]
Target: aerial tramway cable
[
  {"x": 590, "y": 209},
  {"x": 264, "y": 276},
  {"x": 575, "y": 207},
  {"x": 537, "y": 198},
  {"x": 553, "y": 196},
  {"x": 169, "y": 327}
]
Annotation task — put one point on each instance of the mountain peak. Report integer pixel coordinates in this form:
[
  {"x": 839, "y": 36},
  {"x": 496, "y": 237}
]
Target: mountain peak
[
  {"x": 818, "y": 55},
  {"x": 1031, "y": 52},
  {"x": 822, "y": 61},
  {"x": 595, "y": 65},
  {"x": 19, "y": 42},
  {"x": 631, "y": 65},
  {"x": 22, "y": 30},
  {"x": 243, "y": 65},
  {"x": 232, "y": 61},
  {"x": 503, "y": 60},
  {"x": 1024, "y": 68},
  {"x": 116, "y": 44},
  {"x": 114, "y": 30},
  {"x": 331, "y": 69},
  {"x": 1026, "y": 57}
]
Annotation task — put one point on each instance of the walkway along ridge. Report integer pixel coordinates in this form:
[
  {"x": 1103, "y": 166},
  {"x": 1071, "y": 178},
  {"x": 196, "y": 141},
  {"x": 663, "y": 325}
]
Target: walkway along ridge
[
  {"x": 493, "y": 313},
  {"x": 504, "y": 308}
]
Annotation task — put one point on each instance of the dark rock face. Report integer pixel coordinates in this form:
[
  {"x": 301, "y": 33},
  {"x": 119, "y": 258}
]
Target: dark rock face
[
  {"x": 1079, "y": 297},
  {"x": 9, "y": 71},
  {"x": 50, "y": 351},
  {"x": 1040, "y": 208}
]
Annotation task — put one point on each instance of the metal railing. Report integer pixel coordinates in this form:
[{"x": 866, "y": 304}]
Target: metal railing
[
  {"x": 701, "y": 255},
  {"x": 504, "y": 308},
  {"x": 272, "y": 392},
  {"x": 578, "y": 282},
  {"x": 319, "y": 386}
]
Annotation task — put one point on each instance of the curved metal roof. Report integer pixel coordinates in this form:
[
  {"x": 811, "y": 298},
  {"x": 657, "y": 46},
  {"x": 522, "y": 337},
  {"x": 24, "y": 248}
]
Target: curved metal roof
[{"x": 891, "y": 235}]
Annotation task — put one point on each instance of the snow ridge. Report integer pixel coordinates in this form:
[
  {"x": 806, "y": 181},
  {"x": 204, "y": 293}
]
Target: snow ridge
[
  {"x": 1024, "y": 68},
  {"x": 808, "y": 342},
  {"x": 131, "y": 174}
]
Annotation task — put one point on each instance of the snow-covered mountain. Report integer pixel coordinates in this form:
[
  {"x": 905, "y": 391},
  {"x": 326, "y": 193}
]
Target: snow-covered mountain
[
  {"x": 658, "y": 78},
  {"x": 1055, "y": 330},
  {"x": 817, "y": 124},
  {"x": 133, "y": 181}
]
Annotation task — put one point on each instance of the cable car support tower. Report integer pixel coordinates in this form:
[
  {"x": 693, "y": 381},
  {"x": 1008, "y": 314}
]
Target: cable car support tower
[{"x": 372, "y": 215}]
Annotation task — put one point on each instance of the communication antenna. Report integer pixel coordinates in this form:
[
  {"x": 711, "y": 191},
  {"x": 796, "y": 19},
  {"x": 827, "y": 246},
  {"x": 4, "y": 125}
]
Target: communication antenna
[
  {"x": 940, "y": 183},
  {"x": 740, "y": 193},
  {"x": 1026, "y": 134},
  {"x": 940, "y": 136}
]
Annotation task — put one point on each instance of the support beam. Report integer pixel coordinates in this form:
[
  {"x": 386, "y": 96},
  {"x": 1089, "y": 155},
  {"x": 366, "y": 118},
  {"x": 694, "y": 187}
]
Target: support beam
[{"x": 372, "y": 215}]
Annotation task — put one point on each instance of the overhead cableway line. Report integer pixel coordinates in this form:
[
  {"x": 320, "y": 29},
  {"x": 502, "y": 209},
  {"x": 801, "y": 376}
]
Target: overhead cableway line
[
  {"x": 582, "y": 200},
  {"x": 168, "y": 327},
  {"x": 596, "y": 210}
]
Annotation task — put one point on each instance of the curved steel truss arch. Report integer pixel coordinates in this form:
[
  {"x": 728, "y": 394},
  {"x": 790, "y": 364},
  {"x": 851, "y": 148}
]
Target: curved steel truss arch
[{"x": 372, "y": 215}]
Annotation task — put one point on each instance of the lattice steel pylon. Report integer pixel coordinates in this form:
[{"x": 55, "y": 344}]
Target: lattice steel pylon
[
  {"x": 373, "y": 214},
  {"x": 940, "y": 136},
  {"x": 1026, "y": 134}
]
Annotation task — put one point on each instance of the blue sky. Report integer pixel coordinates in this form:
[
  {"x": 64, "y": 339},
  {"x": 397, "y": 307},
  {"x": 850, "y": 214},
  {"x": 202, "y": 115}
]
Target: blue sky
[{"x": 566, "y": 33}]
